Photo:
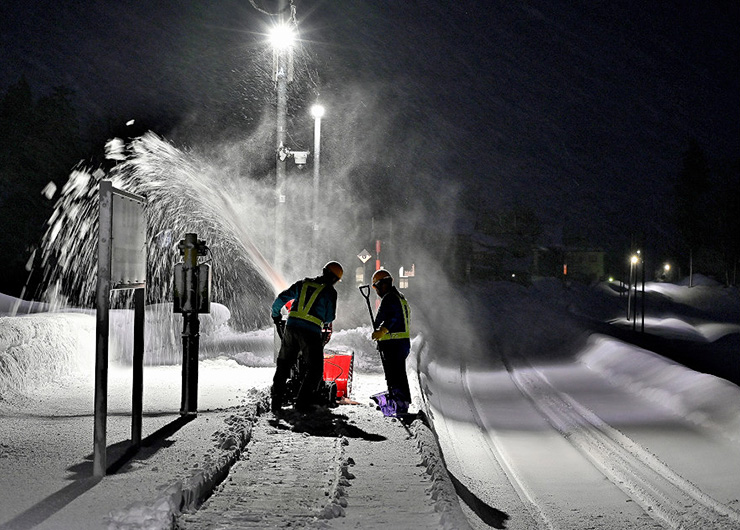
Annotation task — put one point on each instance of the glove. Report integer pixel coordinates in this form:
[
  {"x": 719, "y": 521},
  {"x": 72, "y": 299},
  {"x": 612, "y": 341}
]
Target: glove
[
  {"x": 277, "y": 320},
  {"x": 377, "y": 335}
]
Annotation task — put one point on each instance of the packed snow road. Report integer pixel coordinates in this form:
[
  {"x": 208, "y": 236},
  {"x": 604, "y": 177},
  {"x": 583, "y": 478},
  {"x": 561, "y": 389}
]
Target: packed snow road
[{"x": 556, "y": 427}]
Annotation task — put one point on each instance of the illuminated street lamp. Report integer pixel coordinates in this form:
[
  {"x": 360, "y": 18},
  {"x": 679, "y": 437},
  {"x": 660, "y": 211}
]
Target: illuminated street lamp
[
  {"x": 282, "y": 37},
  {"x": 317, "y": 111},
  {"x": 633, "y": 262}
]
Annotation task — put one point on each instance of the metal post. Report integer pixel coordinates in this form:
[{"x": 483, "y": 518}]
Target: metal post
[
  {"x": 191, "y": 326},
  {"x": 101, "y": 328},
  {"x": 137, "y": 392},
  {"x": 643, "y": 296},
  {"x": 634, "y": 300},
  {"x": 282, "y": 106},
  {"x": 629, "y": 291},
  {"x": 316, "y": 174}
]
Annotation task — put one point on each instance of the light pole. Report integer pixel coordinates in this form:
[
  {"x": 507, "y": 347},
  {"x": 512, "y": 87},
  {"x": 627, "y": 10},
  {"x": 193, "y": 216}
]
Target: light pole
[
  {"x": 317, "y": 111},
  {"x": 633, "y": 263},
  {"x": 281, "y": 37}
]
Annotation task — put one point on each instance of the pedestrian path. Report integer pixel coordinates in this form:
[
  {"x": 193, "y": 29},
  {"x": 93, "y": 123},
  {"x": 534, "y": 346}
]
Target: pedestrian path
[
  {"x": 343, "y": 468},
  {"x": 390, "y": 488},
  {"x": 283, "y": 476}
]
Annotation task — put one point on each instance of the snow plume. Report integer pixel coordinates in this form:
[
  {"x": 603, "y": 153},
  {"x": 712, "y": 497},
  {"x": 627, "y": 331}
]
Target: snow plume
[{"x": 186, "y": 193}]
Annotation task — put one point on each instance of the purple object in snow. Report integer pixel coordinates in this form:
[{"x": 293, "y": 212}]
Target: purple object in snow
[{"x": 386, "y": 404}]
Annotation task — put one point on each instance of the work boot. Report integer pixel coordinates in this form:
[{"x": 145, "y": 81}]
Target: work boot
[{"x": 402, "y": 407}]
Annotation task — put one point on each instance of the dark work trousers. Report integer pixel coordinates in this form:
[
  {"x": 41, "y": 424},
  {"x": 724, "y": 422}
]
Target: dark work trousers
[
  {"x": 393, "y": 353},
  {"x": 310, "y": 344}
]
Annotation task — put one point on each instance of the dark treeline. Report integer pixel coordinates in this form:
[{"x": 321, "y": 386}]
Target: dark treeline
[
  {"x": 40, "y": 142},
  {"x": 707, "y": 202}
]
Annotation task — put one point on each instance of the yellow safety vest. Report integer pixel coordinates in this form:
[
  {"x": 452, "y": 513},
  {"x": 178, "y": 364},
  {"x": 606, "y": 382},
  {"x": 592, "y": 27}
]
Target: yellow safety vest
[
  {"x": 303, "y": 306},
  {"x": 405, "y": 334}
]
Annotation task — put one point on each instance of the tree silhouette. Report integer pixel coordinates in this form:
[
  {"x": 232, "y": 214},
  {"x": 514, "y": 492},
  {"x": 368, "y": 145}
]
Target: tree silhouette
[{"x": 39, "y": 143}]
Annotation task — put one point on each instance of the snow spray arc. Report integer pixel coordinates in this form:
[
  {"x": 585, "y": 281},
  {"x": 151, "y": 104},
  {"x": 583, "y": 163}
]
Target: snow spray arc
[{"x": 186, "y": 193}]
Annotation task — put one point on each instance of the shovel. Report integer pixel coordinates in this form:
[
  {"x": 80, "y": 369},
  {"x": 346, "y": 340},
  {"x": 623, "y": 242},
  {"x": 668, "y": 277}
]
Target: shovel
[{"x": 365, "y": 292}]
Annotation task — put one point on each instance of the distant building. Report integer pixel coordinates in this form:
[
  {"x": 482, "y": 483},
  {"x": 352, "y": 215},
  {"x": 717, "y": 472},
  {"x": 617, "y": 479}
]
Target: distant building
[{"x": 584, "y": 264}]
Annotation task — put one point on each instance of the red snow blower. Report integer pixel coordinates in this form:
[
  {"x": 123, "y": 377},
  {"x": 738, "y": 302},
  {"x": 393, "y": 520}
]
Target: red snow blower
[{"x": 337, "y": 378}]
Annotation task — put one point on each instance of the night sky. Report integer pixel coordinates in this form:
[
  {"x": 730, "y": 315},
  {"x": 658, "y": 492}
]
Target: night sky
[{"x": 579, "y": 110}]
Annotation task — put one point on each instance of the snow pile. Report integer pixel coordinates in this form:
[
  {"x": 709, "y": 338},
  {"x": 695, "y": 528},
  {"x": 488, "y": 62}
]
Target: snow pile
[
  {"x": 707, "y": 401},
  {"x": 358, "y": 340},
  {"x": 39, "y": 348}
]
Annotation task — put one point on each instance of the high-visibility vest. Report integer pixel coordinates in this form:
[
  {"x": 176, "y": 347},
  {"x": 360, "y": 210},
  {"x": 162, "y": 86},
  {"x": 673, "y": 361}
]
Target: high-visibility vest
[
  {"x": 302, "y": 306},
  {"x": 405, "y": 334}
]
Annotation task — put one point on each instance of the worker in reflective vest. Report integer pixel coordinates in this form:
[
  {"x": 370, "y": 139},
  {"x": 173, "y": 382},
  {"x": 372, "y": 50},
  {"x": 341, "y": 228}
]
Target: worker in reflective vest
[
  {"x": 392, "y": 325},
  {"x": 314, "y": 304}
]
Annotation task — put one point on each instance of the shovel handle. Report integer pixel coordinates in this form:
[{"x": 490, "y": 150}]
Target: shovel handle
[{"x": 365, "y": 291}]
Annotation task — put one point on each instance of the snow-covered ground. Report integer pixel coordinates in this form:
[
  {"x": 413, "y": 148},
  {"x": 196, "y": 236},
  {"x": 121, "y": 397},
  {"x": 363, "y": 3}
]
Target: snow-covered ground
[
  {"x": 544, "y": 420},
  {"x": 558, "y": 426}
]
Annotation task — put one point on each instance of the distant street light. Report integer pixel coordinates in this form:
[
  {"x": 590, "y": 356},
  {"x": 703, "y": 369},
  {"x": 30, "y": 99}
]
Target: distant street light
[
  {"x": 317, "y": 111},
  {"x": 281, "y": 37},
  {"x": 633, "y": 262}
]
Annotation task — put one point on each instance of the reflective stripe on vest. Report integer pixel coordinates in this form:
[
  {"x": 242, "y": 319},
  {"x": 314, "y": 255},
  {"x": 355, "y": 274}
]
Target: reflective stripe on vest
[
  {"x": 406, "y": 323},
  {"x": 304, "y": 306}
]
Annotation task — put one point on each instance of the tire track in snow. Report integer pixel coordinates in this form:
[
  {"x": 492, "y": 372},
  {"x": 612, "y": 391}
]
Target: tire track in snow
[
  {"x": 497, "y": 452},
  {"x": 660, "y": 491}
]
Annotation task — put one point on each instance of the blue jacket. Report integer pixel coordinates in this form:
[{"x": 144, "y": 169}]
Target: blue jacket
[
  {"x": 308, "y": 312},
  {"x": 391, "y": 316}
]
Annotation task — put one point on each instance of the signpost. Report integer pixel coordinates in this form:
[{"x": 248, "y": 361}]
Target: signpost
[
  {"x": 364, "y": 256},
  {"x": 121, "y": 265}
]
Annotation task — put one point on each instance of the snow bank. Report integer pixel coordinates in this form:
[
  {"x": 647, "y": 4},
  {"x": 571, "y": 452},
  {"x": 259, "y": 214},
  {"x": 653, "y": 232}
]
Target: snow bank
[
  {"x": 707, "y": 401},
  {"x": 15, "y": 306},
  {"x": 39, "y": 348},
  {"x": 358, "y": 340}
]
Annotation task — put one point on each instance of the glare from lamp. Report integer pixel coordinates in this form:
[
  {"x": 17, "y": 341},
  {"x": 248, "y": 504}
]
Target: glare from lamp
[
  {"x": 282, "y": 37},
  {"x": 317, "y": 111}
]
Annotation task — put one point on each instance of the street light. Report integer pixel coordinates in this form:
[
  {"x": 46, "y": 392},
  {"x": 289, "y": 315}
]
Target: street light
[
  {"x": 633, "y": 262},
  {"x": 317, "y": 111},
  {"x": 281, "y": 37}
]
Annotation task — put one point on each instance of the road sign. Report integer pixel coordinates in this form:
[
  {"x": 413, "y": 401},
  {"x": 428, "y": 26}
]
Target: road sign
[{"x": 364, "y": 255}]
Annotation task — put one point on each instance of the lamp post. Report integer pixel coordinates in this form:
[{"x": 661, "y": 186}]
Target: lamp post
[
  {"x": 281, "y": 37},
  {"x": 633, "y": 262},
  {"x": 317, "y": 111}
]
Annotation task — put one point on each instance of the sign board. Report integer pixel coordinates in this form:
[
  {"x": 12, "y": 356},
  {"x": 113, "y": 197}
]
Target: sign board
[
  {"x": 128, "y": 259},
  {"x": 364, "y": 255}
]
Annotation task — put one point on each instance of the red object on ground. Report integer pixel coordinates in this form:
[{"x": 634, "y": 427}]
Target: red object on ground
[{"x": 338, "y": 367}]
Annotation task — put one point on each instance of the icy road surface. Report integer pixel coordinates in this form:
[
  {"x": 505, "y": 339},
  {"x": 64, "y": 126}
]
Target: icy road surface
[{"x": 551, "y": 426}]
